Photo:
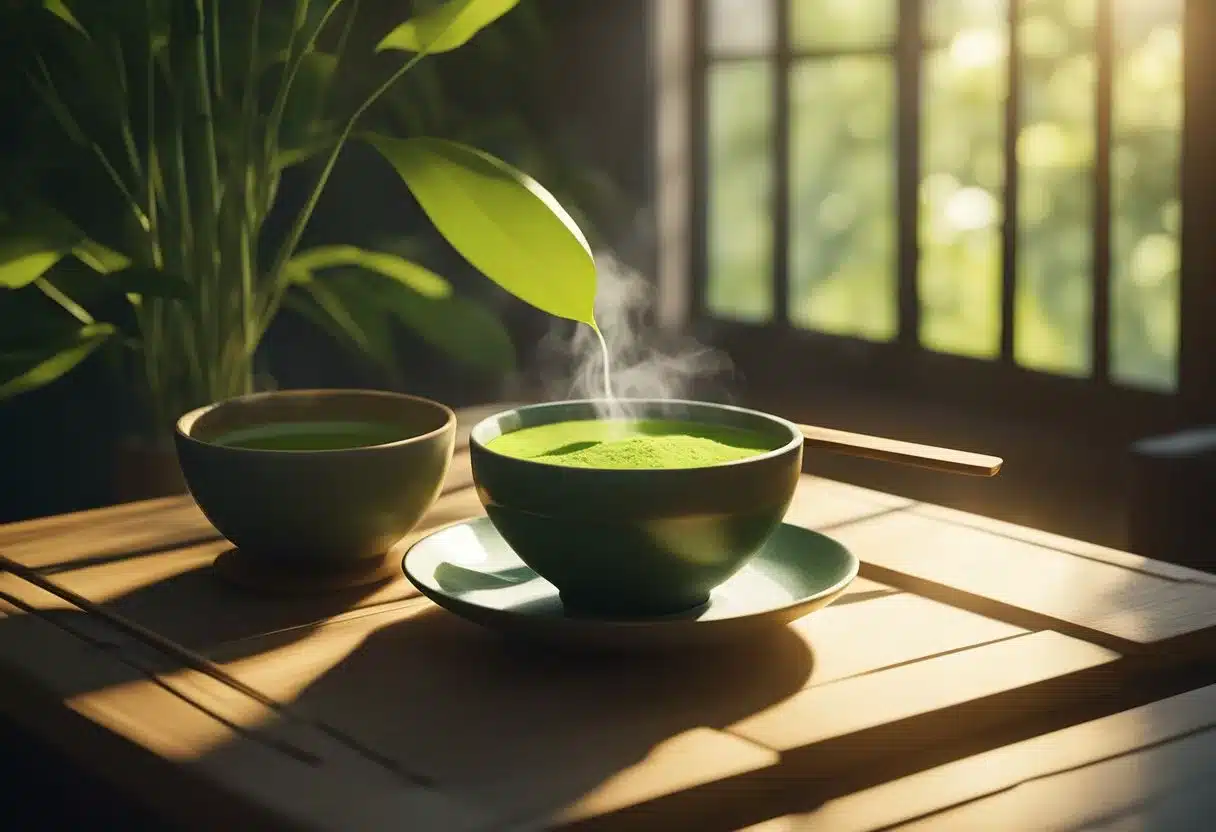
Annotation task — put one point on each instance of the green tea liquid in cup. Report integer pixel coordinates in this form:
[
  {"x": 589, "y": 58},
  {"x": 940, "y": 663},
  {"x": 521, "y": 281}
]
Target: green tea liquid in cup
[{"x": 311, "y": 436}]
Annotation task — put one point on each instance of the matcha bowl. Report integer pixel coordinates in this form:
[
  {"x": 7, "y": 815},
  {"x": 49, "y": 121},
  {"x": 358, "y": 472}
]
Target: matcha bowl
[
  {"x": 316, "y": 478},
  {"x": 636, "y": 541}
]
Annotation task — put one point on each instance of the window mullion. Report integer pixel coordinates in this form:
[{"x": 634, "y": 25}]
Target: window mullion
[
  {"x": 907, "y": 201},
  {"x": 781, "y": 163},
  {"x": 1009, "y": 232},
  {"x": 698, "y": 135},
  {"x": 1104, "y": 58},
  {"x": 1197, "y": 345}
]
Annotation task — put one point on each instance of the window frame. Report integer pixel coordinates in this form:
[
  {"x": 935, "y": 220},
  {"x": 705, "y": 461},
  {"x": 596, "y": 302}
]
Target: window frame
[{"x": 779, "y": 358}]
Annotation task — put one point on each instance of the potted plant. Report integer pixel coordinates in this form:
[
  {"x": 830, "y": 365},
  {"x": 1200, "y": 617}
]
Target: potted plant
[{"x": 182, "y": 116}]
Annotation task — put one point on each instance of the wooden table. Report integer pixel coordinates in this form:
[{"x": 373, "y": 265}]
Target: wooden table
[{"x": 979, "y": 675}]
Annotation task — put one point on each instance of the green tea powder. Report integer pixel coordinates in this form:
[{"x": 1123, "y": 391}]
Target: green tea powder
[
  {"x": 650, "y": 452},
  {"x": 624, "y": 444}
]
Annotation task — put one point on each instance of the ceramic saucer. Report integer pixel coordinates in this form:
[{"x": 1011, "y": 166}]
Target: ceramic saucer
[{"x": 468, "y": 569}]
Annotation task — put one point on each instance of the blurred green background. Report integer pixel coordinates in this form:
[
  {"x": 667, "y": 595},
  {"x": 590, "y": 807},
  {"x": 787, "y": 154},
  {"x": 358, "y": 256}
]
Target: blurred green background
[{"x": 842, "y": 90}]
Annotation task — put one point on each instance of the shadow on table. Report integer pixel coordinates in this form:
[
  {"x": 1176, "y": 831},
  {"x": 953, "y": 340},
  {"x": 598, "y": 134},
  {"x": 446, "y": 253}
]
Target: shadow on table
[
  {"x": 508, "y": 726},
  {"x": 525, "y": 731},
  {"x": 198, "y": 609}
]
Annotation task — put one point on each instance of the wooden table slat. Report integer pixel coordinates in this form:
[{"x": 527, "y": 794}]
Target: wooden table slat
[
  {"x": 531, "y": 734},
  {"x": 1072, "y": 546},
  {"x": 223, "y": 776},
  {"x": 176, "y": 593},
  {"x": 867, "y": 701},
  {"x": 1067, "y": 779},
  {"x": 1131, "y": 606}
]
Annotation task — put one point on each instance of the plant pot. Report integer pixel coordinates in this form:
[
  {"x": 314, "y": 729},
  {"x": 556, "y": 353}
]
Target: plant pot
[{"x": 144, "y": 470}]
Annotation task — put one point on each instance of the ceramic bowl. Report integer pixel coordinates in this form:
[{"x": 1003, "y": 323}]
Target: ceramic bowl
[
  {"x": 328, "y": 507},
  {"x": 632, "y": 543}
]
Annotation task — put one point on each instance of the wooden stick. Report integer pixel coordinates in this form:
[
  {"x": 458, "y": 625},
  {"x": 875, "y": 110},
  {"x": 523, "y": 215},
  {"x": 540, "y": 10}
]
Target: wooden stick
[{"x": 905, "y": 453}]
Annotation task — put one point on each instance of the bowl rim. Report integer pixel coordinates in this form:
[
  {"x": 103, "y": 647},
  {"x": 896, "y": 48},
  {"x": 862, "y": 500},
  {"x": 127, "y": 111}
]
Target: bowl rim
[
  {"x": 186, "y": 421},
  {"x": 796, "y": 438}
]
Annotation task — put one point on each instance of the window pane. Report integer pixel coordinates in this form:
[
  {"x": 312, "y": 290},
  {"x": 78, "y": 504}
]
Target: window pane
[
  {"x": 1053, "y": 314},
  {"x": 740, "y": 190},
  {"x": 944, "y": 19},
  {"x": 1145, "y": 204},
  {"x": 740, "y": 26},
  {"x": 842, "y": 166},
  {"x": 841, "y": 24},
  {"x": 962, "y": 177}
]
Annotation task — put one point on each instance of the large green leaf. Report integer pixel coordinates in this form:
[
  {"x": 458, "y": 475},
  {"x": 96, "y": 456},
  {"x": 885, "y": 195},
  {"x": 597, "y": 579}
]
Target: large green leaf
[
  {"x": 419, "y": 279},
  {"x": 32, "y": 244},
  {"x": 501, "y": 220},
  {"x": 445, "y": 27},
  {"x": 31, "y": 369}
]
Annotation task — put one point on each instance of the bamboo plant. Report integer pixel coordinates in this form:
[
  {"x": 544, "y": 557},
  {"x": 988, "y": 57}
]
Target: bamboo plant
[{"x": 188, "y": 112}]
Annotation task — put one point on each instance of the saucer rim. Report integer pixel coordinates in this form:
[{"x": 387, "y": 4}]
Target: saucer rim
[{"x": 783, "y": 613}]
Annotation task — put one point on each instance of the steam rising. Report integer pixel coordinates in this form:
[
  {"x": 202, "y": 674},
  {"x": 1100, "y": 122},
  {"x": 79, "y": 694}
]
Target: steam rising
[{"x": 645, "y": 362}]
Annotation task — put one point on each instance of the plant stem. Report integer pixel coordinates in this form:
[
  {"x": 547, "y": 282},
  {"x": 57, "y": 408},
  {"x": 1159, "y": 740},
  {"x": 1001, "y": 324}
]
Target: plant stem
[
  {"x": 294, "y": 69},
  {"x": 250, "y": 184},
  {"x": 72, "y": 307},
  {"x": 128, "y": 138},
  {"x": 280, "y": 99},
  {"x": 207, "y": 256},
  {"x": 340, "y": 49},
  {"x": 186, "y": 226},
  {"x": 297, "y": 228},
  {"x": 248, "y": 311},
  {"x": 217, "y": 67},
  {"x": 140, "y": 216},
  {"x": 211, "y": 189},
  {"x": 70, "y": 126},
  {"x": 153, "y": 161}
]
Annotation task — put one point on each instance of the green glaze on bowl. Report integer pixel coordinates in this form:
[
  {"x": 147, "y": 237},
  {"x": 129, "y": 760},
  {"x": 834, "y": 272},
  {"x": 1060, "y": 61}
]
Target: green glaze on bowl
[
  {"x": 636, "y": 542},
  {"x": 316, "y": 477}
]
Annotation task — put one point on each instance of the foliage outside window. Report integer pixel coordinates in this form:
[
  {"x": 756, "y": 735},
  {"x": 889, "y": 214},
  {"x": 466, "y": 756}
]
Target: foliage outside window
[{"x": 835, "y": 62}]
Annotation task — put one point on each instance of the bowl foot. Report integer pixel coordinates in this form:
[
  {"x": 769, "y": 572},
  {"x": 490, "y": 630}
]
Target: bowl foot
[
  {"x": 271, "y": 578},
  {"x": 603, "y": 607}
]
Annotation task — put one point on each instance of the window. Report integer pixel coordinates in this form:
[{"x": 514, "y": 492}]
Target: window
[{"x": 986, "y": 188}]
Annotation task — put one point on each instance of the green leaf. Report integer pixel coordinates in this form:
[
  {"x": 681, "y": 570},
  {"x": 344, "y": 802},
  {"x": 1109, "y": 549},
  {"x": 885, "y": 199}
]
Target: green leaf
[
  {"x": 305, "y": 103},
  {"x": 445, "y": 27},
  {"x": 99, "y": 258},
  {"x": 31, "y": 369},
  {"x": 466, "y": 331},
  {"x": 61, "y": 11},
  {"x": 419, "y": 279},
  {"x": 501, "y": 220},
  {"x": 349, "y": 317},
  {"x": 32, "y": 244},
  {"x": 321, "y": 137},
  {"x": 22, "y": 267}
]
